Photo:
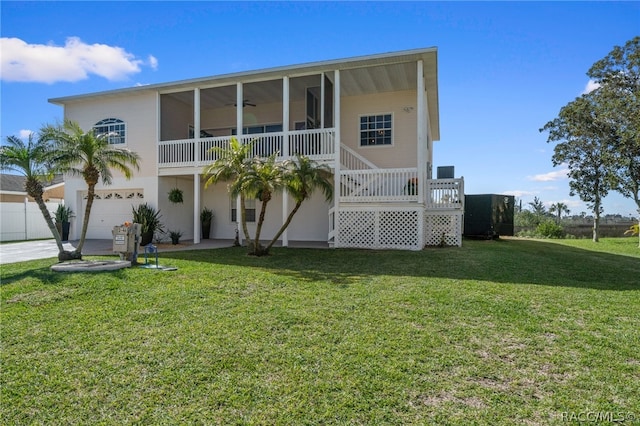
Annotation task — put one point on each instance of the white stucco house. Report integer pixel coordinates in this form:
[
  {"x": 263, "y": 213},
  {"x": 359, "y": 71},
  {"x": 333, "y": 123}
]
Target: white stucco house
[{"x": 372, "y": 119}]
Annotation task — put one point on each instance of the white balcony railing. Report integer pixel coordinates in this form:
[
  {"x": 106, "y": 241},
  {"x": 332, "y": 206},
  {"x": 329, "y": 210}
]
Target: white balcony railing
[
  {"x": 317, "y": 144},
  {"x": 400, "y": 185},
  {"x": 379, "y": 185},
  {"x": 445, "y": 194}
]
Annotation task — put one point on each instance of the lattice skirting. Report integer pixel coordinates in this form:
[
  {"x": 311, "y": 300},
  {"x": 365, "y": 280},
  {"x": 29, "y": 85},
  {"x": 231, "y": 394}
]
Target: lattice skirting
[
  {"x": 443, "y": 228},
  {"x": 380, "y": 228}
]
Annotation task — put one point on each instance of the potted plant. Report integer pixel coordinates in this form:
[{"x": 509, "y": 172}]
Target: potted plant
[
  {"x": 63, "y": 215},
  {"x": 175, "y": 196},
  {"x": 175, "y": 237},
  {"x": 149, "y": 219},
  {"x": 206, "y": 217}
]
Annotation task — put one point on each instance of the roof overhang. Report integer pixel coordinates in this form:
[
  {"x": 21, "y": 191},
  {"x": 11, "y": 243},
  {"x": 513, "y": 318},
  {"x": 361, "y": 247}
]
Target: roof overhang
[{"x": 383, "y": 72}]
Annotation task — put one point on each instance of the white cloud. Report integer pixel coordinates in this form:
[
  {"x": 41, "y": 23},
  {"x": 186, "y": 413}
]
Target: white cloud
[
  {"x": 24, "y": 133},
  {"x": 153, "y": 62},
  {"x": 569, "y": 202},
  {"x": 72, "y": 62},
  {"x": 590, "y": 87},
  {"x": 551, "y": 176},
  {"x": 519, "y": 193}
]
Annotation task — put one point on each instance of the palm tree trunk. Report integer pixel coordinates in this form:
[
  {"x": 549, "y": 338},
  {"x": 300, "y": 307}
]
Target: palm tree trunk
[
  {"x": 52, "y": 227},
  {"x": 85, "y": 220},
  {"x": 284, "y": 226},
  {"x": 257, "y": 250},
  {"x": 243, "y": 219},
  {"x": 596, "y": 221}
]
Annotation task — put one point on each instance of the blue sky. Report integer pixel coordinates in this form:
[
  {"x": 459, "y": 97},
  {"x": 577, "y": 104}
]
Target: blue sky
[{"x": 505, "y": 68}]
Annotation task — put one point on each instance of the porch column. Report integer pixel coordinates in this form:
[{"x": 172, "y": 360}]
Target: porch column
[
  {"x": 336, "y": 167},
  {"x": 239, "y": 103},
  {"x": 285, "y": 153},
  {"x": 422, "y": 158},
  {"x": 322, "y": 100},
  {"x": 196, "y": 123},
  {"x": 196, "y": 208},
  {"x": 239, "y": 125}
]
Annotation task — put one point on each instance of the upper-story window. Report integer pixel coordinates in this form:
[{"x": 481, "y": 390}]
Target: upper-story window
[
  {"x": 115, "y": 127},
  {"x": 375, "y": 129}
]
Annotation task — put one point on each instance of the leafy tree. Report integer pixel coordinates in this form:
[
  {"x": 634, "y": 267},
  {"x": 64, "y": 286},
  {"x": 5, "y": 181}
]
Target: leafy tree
[
  {"x": 600, "y": 131},
  {"x": 538, "y": 207},
  {"x": 585, "y": 146},
  {"x": 618, "y": 75},
  {"x": 32, "y": 161},
  {"x": 302, "y": 178},
  {"x": 230, "y": 165},
  {"x": 559, "y": 208},
  {"x": 88, "y": 155}
]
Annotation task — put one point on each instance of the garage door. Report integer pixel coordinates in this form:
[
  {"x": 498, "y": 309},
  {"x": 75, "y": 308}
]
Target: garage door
[{"x": 110, "y": 208}]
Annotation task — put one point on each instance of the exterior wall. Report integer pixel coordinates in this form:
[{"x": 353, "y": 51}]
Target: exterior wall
[
  {"x": 176, "y": 217},
  {"x": 311, "y": 222},
  {"x": 139, "y": 114},
  {"x": 403, "y": 151},
  {"x": 225, "y": 118}
]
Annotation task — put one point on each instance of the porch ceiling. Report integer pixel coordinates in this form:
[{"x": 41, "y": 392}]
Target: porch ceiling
[{"x": 355, "y": 82}]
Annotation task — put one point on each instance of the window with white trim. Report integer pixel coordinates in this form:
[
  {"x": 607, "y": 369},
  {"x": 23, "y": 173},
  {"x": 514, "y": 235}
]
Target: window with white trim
[
  {"x": 375, "y": 129},
  {"x": 114, "y": 127},
  {"x": 249, "y": 207}
]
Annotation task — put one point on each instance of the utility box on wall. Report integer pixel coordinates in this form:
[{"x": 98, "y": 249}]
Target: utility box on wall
[{"x": 488, "y": 215}]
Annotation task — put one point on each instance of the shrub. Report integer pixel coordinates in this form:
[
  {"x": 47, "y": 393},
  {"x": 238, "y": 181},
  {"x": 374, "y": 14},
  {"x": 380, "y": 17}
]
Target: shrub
[{"x": 549, "y": 229}]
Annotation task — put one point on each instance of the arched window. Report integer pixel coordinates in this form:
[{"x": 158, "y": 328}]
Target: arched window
[{"x": 115, "y": 127}]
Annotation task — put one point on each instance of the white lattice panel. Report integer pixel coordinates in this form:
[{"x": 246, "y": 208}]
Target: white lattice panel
[
  {"x": 380, "y": 228},
  {"x": 443, "y": 229},
  {"x": 399, "y": 229}
]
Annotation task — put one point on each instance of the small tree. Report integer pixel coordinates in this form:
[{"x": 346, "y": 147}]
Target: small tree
[
  {"x": 230, "y": 165},
  {"x": 90, "y": 156},
  {"x": 32, "y": 161},
  {"x": 584, "y": 145},
  {"x": 263, "y": 178},
  {"x": 559, "y": 208},
  {"x": 302, "y": 178}
]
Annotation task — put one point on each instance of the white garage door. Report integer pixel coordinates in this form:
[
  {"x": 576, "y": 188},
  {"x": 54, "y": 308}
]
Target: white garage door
[{"x": 110, "y": 208}]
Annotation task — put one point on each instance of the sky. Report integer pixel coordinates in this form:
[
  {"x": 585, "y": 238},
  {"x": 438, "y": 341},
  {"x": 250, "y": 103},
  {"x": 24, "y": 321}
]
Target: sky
[{"x": 504, "y": 68}]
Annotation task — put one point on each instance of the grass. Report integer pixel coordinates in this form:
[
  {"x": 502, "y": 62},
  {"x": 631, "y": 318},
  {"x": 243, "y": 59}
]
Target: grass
[{"x": 495, "y": 332}]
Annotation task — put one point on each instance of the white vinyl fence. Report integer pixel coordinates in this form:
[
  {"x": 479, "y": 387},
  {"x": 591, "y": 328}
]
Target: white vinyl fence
[{"x": 24, "y": 221}]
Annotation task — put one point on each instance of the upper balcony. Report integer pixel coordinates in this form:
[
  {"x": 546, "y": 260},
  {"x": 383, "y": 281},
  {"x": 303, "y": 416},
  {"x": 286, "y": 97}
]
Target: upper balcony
[{"x": 317, "y": 144}]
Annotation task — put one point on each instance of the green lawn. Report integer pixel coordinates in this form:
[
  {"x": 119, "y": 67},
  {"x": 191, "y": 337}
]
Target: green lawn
[{"x": 496, "y": 332}]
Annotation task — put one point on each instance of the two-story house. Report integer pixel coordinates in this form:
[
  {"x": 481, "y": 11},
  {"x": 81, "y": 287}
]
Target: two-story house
[{"x": 372, "y": 119}]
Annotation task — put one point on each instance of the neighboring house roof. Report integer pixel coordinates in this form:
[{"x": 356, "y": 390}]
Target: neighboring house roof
[
  {"x": 15, "y": 183},
  {"x": 363, "y": 74}
]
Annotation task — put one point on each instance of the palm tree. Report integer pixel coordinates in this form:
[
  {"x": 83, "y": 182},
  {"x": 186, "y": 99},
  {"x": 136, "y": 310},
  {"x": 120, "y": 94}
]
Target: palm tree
[
  {"x": 559, "y": 208},
  {"x": 32, "y": 161},
  {"x": 230, "y": 165},
  {"x": 90, "y": 156},
  {"x": 262, "y": 179},
  {"x": 302, "y": 178}
]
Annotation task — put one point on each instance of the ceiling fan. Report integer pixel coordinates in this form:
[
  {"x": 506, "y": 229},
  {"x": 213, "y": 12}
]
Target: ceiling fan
[{"x": 245, "y": 102}]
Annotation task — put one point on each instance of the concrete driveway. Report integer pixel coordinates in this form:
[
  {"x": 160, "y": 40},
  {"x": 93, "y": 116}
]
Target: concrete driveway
[{"x": 12, "y": 252}]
